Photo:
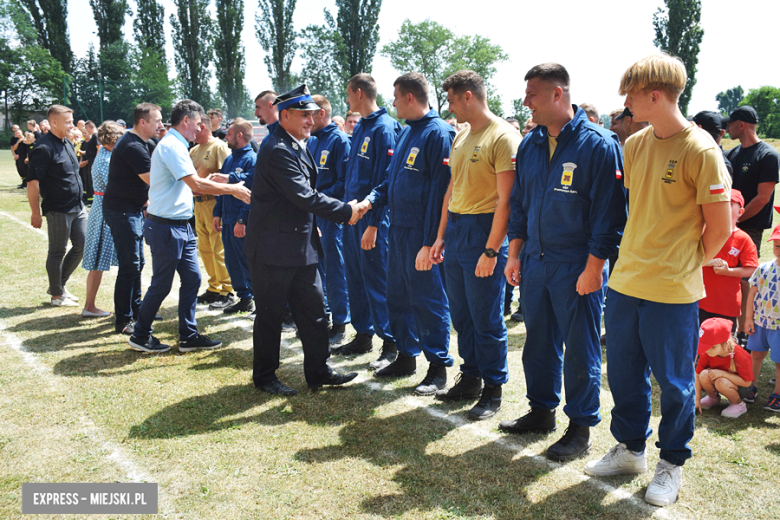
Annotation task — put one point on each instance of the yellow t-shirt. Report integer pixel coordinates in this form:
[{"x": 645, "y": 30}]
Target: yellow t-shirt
[
  {"x": 475, "y": 159},
  {"x": 661, "y": 253},
  {"x": 212, "y": 155},
  {"x": 553, "y": 144}
]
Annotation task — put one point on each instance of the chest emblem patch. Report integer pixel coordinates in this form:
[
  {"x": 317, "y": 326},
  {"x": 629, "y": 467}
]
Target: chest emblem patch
[
  {"x": 745, "y": 168},
  {"x": 412, "y": 156},
  {"x": 324, "y": 157},
  {"x": 670, "y": 169},
  {"x": 206, "y": 158},
  {"x": 568, "y": 173},
  {"x": 734, "y": 251},
  {"x": 475, "y": 154},
  {"x": 364, "y": 146}
]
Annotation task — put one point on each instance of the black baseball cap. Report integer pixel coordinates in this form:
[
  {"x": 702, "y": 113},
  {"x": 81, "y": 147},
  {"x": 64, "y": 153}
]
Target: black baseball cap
[
  {"x": 626, "y": 113},
  {"x": 744, "y": 113},
  {"x": 711, "y": 121}
]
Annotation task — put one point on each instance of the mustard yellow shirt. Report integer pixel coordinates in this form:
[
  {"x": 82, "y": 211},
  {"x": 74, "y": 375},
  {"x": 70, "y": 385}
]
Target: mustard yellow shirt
[{"x": 210, "y": 155}]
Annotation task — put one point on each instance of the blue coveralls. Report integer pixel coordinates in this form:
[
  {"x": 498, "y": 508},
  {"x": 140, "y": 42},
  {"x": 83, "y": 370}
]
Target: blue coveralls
[
  {"x": 414, "y": 189},
  {"x": 240, "y": 166},
  {"x": 565, "y": 209},
  {"x": 330, "y": 148},
  {"x": 373, "y": 141}
]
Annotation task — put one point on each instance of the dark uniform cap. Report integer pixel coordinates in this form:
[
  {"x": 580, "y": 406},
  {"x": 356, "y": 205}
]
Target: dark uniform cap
[
  {"x": 744, "y": 113},
  {"x": 626, "y": 113},
  {"x": 296, "y": 99},
  {"x": 712, "y": 122}
]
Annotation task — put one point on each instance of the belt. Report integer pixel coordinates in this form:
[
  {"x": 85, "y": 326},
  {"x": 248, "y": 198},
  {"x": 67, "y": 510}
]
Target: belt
[
  {"x": 204, "y": 198},
  {"x": 454, "y": 217},
  {"x": 99, "y": 193},
  {"x": 167, "y": 221}
]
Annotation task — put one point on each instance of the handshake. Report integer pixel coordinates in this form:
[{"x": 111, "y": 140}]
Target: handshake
[{"x": 358, "y": 210}]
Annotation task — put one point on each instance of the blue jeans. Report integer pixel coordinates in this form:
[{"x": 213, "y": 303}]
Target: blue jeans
[
  {"x": 235, "y": 261},
  {"x": 476, "y": 304},
  {"x": 174, "y": 249},
  {"x": 556, "y": 315},
  {"x": 645, "y": 336},
  {"x": 416, "y": 302},
  {"x": 127, "y": 233}
]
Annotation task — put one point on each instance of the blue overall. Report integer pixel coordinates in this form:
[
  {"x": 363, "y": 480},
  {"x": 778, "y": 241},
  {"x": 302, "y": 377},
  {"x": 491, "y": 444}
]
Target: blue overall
[
  {"x": 373, "y": 141},
  {"x": 414, "y": 190},
  {"x": 240, "y": 166},
  {"x": 566, "y": 209},
  {"x": 330, "y": 148}
]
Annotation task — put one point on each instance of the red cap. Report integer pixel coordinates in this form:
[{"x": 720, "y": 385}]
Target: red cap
[
  {"x": 775, "y": 234},
  {"x": 713, "y": 331},
  {"x": 736, "y": 196}
]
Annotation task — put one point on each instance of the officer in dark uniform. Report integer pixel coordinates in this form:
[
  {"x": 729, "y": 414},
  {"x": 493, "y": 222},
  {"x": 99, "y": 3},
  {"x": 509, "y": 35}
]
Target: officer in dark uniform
[{"x": 282, "y": 246}]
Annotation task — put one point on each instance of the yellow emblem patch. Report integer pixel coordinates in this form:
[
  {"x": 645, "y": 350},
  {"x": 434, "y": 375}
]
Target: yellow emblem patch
[
  {"x": 364, "y": 146},
  {"x": 324, "y": 157},
  {"x": 412, "y": 156},
  {"x": 568, "y": 173}
]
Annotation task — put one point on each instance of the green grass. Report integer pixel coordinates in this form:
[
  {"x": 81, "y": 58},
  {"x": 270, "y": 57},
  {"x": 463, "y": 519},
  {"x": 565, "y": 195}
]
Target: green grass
[{"x": 92, "y": 410}]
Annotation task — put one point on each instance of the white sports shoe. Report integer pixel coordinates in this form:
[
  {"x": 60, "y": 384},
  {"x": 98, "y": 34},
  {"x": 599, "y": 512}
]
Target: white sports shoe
[
  {"x": 618, "y": 461},
  {"x": 665, "y": 485},
  {"x": 66, "y": 294},
  {"x": 62, "y": 301}
]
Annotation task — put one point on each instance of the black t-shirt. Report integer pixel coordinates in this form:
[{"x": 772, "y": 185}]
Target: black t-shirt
[
  {"x": 54, "y": 164},
  {"x": 14, "y": 140},
  {"x": 220, "y": 133},
  {"x": 37, "y": 135},
  {"x": 752, "y": 166},
  {"x": 126, "y": 191},
  {"x": 22, "y": 150},
  {"x": 91, "y": 149},
  {"x": 151, "y": 144}
]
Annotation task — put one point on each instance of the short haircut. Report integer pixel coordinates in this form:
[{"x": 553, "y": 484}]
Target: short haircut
[
  {"x": 56, "y": 110},
  {"x": 90, "y": 123},
  {"x": 661, "y": 72},
  {"x": 466, "y": 80},
  {"x": 591, "y": 110},
  {"x": 243, "y": 126},
  {"x": 186, "y": 108},
  {"x": 511, "y": 120},
  {"x": 553, "y": 72},
  {"x": 615, "y": 113},
  {"x": 266, "y": 93},
  {"x": 353, "y": 114},
  {"x": 216, "y": 112},
  {"x": 109, "y": 133},
  {"x": 323, "y": 103},
  {"x": 415, "y": 84},
  {"x": 142, "y": 111},
  {"x": 32, "y": 122},
  {"x": 364, "y": 82}
]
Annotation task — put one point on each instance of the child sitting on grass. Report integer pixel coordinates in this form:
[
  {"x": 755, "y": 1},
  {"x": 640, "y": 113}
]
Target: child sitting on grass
[
  {"x": 762, "y": 320},
  {"x": 723, "y": 368}
]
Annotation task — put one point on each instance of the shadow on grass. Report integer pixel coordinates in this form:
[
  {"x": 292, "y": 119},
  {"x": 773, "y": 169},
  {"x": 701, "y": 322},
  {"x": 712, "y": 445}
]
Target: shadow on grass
[
  {"x": 12, "y": 312},
  {"x": 105, "y": 363}
]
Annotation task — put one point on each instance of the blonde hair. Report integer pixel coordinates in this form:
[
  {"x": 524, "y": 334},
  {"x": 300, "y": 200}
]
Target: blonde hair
[
  {"x": 109, "y": 133},
  {"x": 243, "y": 126},
  {"x": 730, "y": 345},
  {"x": 661, "y": 72}
]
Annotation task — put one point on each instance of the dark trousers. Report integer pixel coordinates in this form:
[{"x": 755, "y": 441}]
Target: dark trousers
[
  {"x": 273, "y": 287},
  {"x": 127, "y": 232},
  {"x": 64, "y": 227}
]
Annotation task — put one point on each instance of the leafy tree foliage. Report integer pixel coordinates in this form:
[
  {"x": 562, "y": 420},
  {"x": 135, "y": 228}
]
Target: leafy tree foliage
[
  {"x": 520, "y": 112},
  {"x": 321, "y": 72},
  {"x": 358, "y": 35},
  {"x": 148, "y": 26},
  {"x": 730, "y": 99},
  {"x": 109, "y": 18},
  {"x": 677, "y": 32},
  {"x": 192, "y": 28},
  {"x": 766, "y": 101},
  {"x": 275, "y": 32},
  {"x": 50, "y": 20},
  {"x": 229, "y": 53}
]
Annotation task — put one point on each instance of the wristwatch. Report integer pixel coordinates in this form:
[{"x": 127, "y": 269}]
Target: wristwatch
[
  {"x": 241, "y": 221},
  {"x": 490, "y": 253}
]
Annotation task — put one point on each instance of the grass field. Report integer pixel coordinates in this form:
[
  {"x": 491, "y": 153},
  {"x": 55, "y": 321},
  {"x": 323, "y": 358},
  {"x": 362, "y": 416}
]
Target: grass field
[{"x": 78, "y": 406}]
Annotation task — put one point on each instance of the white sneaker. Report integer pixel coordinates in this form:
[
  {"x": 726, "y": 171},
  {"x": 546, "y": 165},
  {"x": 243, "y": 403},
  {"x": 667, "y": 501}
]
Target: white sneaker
[
  {"x": 665, "y": 485},
  {"x": 618, "y": 461},
  {"x": 61, "y": 301},
  {"x": 734, "y": 410},
  {"x": 66, "y": 294}
]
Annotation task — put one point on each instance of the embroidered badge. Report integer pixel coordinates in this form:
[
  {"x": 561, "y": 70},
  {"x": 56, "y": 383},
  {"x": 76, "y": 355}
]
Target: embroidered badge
[
  {"x": 364, "y": 146},
  {"x": 412, "y": 156},
  {"x": 716, "y": 189},
  {"x": 474, "y": 154},
  {"x": 618, "y": 174},
  {"x": 446, "y": 161},
  {"x": 324, "y": 157},
  {"x": 568, "y": 173},
  {"x": 734, "y": 251}
]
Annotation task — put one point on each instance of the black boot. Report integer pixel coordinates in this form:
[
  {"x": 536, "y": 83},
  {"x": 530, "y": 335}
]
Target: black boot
[
  {"x": 488, "y": 405},
  {"x": 360, "y": 344},
  {"x": 387, "y": 356},
  {"x": 435, "y": 380},
  {"x": 575, "y": 442},
  {"x": 538, "y": 420},
  {"x": 402, "y": 366},
  {"x": 242, "y": 305},
  {"x": 466, "y": 387}
]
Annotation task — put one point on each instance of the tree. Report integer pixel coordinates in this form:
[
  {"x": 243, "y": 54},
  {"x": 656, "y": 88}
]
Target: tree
[
  {"x": 766, "y": 101},
  {"x": 276, "y": 35},
  {"x": 50, "y": 20},
  {"x": 109, "y": 18},
  {"x": 230, "y": 54},
  {"x": 148, "y": 26},
  {"x": 321, "y": 72},
  {"x": 521, "y": 113},
  {"x": 677, "y": 32},
  {"x": 191, "y": 43},
  {"x": 730, "y": 99},
  {"x": 358, "y": 35},
  {"x": 150, "y": 79}
]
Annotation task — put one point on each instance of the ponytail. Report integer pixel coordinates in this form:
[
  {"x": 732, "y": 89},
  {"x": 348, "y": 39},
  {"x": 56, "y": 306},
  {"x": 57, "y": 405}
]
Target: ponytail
[{"x": 731, "y": 346}]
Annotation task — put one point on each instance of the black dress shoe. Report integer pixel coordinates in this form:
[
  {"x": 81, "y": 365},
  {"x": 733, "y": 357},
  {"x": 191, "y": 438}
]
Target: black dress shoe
[
  {"x": 333, "y": 379},
  {"x": 276, "y": 387}
]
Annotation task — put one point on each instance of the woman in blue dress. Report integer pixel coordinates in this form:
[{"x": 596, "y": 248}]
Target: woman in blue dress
[{"x": 99, "y": 252}]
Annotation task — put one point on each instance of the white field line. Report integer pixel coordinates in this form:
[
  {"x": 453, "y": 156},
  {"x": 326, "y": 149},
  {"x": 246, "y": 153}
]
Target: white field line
[{"x": 25, "y": 224}]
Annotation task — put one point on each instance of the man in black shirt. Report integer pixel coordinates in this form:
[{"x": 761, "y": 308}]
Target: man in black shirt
[
  {"x": 54, "y": 176},
  {"x": 215, "y": 119},
  {"x": 123, "y": 204},
  {"x": 713, "y": 124},
  {"x": 15, "y": 140}
]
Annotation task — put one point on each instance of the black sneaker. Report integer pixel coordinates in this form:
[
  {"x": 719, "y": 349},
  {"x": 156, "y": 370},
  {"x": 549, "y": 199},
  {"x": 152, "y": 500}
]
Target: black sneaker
[
  {"x": 147, "y": 344},
  {"x": 209, "y": 297},
  {"x": 388, "y": 355},
  {"x": 537, "y": 420},
  {"x": 126, "y": 328},
  {"x": 466, "y": 387},
  {"x": 435, "y": 380},
  {"x": 489, "y": 404},
  {"x": 243, "y": 305},
  {"x": 223, "y": 301},
  {"x": 336, "y": 334},
  {"x": 198, "y": 342},
  {"x": 574, "y": 443},
  {"x": 360, "y": 344}
]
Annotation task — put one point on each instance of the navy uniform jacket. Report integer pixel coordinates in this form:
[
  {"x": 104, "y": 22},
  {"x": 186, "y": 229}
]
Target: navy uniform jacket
[
  {"x": 418, "y": 176},
  {"x": 330, "y": 148},
  {"x": 282, "y": 230},
  {"x": 239, "y": 166}
]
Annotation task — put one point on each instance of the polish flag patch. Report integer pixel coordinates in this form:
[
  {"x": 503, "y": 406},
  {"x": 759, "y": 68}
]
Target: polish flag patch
[
  {"x": 390, "y": 152},
  {"x": 514, "y": 158},
  {"x": 618, "y": 174},
  {"x": 446, "y": 161},
  {"x": 717, "y": 188}
]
